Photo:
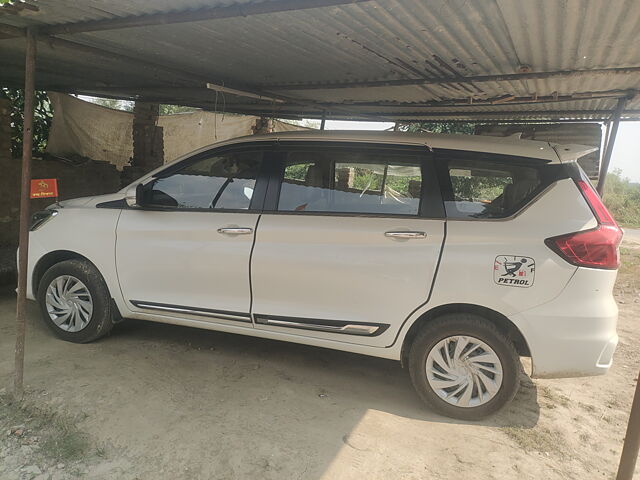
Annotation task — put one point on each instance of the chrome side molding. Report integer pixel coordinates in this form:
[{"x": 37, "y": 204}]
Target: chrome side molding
[
  {"x": 204, "y": 312},
  {"x": 331, "y": 326}
]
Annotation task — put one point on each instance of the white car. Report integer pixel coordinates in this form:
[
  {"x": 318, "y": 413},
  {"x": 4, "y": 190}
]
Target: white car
[{"x": 453, "y": 254}]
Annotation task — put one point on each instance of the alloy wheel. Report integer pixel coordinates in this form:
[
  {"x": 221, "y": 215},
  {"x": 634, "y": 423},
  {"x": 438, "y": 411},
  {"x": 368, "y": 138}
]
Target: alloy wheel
[
  {"x": 464, "y": 371},
  {"x": 69, "y": 303}
]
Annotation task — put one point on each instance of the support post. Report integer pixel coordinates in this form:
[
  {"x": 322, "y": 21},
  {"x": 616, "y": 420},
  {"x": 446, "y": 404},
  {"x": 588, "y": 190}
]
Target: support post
[
  {"x": 631, "y": 440},
  {"x": 324, "y": 120},
  {"x": 611, "y": 140},
  {"x": 23, "y": 249}
]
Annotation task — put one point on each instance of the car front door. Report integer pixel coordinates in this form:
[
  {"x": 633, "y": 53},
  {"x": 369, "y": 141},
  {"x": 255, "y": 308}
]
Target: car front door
[
  {"x": 186, "y": 250},
  {"x": 351, "y": 244}
]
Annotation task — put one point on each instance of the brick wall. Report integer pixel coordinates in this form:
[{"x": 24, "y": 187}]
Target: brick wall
[
  {"x": 148, "y": 142},
  {"x": 87, "y": 179}
]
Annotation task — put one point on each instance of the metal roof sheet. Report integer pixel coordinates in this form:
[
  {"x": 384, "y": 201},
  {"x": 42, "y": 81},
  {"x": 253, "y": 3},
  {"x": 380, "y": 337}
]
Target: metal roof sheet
[{"x": 303, "y": 56}]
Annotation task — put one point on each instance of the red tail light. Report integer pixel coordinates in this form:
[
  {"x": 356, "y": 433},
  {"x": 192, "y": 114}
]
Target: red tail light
[{"x": 595, "y": 248}]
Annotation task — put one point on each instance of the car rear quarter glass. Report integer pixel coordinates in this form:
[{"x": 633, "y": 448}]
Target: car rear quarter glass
[{"x": 482, "y": 187}]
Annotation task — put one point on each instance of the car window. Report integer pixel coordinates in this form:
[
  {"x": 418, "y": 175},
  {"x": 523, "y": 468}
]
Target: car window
[
  {"x": 485, "y": 189},
  {"x": 351, "y": 182},
  {"x": 223, "y": 181}
]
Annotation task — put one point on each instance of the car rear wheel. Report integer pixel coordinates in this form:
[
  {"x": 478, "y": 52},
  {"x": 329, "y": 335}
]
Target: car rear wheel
[
  {"x": 464, "y": 367},
  {"x": 75, "y": 302}
]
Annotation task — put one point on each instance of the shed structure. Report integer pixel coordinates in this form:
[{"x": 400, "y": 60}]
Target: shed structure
[{"x": 392, "y": 60}]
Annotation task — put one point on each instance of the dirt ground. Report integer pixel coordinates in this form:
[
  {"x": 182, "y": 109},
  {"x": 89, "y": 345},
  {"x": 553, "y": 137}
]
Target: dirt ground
[{"x": 156, "y": 401}]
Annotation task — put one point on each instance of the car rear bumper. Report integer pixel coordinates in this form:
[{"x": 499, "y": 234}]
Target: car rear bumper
[{"x": 573, "y": 335}]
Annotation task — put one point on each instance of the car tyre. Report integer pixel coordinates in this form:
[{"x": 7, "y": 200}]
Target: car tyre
[
  {"x": 75, "y": 302},
  {"x": 491, "y": 384}
]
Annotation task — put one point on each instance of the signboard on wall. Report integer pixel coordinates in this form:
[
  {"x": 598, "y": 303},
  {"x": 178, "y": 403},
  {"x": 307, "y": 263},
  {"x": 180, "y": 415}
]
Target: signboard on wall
[{"x": 44, "y": 188}]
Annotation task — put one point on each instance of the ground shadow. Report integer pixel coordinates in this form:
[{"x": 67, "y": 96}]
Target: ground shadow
[
  {"x": 216, "y": 403},
  {"x": 389, "y": 384}
]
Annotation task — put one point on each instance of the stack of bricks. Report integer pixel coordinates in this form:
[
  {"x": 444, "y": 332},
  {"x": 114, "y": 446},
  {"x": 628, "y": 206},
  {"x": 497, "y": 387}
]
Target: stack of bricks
[
  {"x": 263, "y": 125},
  {"x": 148, "y": 142}
]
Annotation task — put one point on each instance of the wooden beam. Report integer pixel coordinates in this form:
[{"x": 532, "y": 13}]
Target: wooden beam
[
  {"x": 600, "y": 114},
  {"x": 25, "y": 216},
  {"x": 188, "y": 79},
  {"x": 243, "y": 93},
  {"x": 506, "y": 77},
  {"x": 9, "y": 31},
  {"x": 176, "y": 73},
  {"x": 204, "y": 14},
  {"x": 631, "y": 446},
  {"x": 464, "y": 102}
]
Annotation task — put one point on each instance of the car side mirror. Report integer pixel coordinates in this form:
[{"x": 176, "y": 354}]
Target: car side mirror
[{"x": 134, "y": 195}]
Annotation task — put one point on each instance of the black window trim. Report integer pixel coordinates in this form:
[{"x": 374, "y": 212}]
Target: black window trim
[
  {"x": 431, "y": 205},
  {"x": 260, "y": 189},
  {"x": 551, "y": 173}
]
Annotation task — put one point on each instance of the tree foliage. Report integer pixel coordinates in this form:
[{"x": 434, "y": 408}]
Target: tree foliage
[
  {"x": 41, "y": 120},
  {"x": 438, "y": 127},
  {"x": 173, "y": 109},
  {"x": 622, "y": 198}
]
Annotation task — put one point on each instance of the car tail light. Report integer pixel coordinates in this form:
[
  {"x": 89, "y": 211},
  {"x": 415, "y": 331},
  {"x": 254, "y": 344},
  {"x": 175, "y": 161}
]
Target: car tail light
[{"x": 595, "y": 248}]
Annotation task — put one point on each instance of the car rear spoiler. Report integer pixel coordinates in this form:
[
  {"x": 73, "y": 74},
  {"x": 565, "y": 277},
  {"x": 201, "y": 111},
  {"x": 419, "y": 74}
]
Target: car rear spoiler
[{"x": 572, "y": 152}]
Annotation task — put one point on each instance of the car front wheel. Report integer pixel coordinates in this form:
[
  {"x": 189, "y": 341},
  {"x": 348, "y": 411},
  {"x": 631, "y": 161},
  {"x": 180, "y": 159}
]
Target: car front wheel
[
  {"x": 75, "y": 302},
  {"x": 464, "y": 367}
]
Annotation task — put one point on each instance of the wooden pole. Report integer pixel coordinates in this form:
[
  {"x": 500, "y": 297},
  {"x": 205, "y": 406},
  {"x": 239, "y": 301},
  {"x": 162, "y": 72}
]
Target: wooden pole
[
  {"x": 631, "y": 440},
  {"x": 611, "y": 140},
  {"x": 23, "y": 249}
]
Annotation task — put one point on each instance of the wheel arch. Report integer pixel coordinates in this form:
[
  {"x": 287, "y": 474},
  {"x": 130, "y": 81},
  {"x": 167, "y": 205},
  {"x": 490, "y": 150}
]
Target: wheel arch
[
  {"x": 51, "y": 258},
  {"x": 502, "y": 322}
]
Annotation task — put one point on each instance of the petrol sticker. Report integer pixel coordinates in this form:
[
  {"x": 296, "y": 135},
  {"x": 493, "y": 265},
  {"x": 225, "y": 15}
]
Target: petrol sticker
[{"x": 514, "y": 271}]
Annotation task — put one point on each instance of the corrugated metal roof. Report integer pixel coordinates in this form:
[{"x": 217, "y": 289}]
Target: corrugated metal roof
[{"x": 315, "y": 50}]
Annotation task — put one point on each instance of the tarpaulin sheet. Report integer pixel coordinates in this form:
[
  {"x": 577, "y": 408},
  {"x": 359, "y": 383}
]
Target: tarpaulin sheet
[{"x": 100, "y": 133}]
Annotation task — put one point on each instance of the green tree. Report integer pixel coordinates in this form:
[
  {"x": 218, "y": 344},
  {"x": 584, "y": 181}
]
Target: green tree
[
  {"x": 41, "y": 120},
  {"x": 173, "y": 109}
]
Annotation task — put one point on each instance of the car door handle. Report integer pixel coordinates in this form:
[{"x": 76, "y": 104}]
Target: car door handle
[
  {"x": 235, "y": 230},
  {"x": 405, "y": 234}
]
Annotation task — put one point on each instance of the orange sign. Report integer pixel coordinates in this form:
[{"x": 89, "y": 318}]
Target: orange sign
[{"x": 44, "y": 188}]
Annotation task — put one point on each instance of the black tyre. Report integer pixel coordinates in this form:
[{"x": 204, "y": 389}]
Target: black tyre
[
  {"x": 464, "y": 367},
  {"x": 74, "y": 301}
]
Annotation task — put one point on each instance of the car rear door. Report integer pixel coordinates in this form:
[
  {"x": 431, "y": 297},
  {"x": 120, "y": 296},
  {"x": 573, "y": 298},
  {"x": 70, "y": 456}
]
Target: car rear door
[
  {"x": 349, "y": 242},
  {"x": 186, "y": 251}
]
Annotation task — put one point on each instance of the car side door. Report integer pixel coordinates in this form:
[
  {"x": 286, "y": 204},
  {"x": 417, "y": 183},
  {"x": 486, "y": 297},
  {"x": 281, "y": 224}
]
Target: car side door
[
  {"x": 185, "y": 251},
  {"x": 349, "y": 241}
]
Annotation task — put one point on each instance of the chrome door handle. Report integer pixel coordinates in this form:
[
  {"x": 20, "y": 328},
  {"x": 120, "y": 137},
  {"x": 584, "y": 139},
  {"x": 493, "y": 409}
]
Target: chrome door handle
[
  {"x": 405, "y": 234},
  {"x": 235, "y": 230}
]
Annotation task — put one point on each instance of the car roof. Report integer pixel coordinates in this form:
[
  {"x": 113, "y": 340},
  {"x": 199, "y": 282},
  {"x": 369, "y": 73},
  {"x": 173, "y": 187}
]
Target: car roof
[
  {"x": 553, "y": 153},
  {"x": 475, "y": 143}
]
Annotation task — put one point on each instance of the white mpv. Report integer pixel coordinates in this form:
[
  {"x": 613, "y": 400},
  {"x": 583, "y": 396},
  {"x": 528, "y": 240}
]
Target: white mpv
[{"x": 453, "y": 254}]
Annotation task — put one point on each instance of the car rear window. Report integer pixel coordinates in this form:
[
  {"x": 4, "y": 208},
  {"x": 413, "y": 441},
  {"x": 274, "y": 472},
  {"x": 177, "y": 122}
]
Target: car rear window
[{"x": 480, "y": 189}]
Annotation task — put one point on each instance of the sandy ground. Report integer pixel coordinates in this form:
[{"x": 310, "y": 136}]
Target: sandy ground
[
  {"x": 156, "y": 401},
  {"x": 632, "y": 235}
]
